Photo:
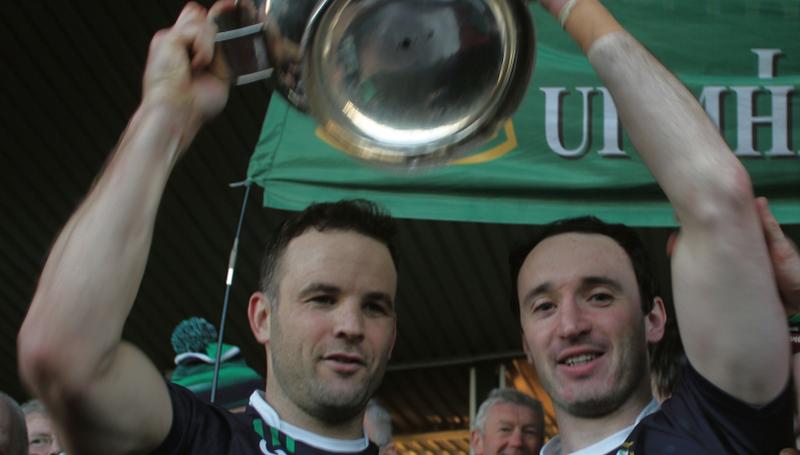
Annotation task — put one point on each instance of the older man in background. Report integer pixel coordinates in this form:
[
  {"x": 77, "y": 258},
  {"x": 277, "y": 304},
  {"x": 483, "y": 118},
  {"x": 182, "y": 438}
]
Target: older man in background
[
  {"x": 42, "y": 438},
  {"x": 508, "y": 423}
]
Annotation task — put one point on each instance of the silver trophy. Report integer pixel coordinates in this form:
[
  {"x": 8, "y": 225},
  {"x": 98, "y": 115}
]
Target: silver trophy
[{"x": 402, "y": 83}]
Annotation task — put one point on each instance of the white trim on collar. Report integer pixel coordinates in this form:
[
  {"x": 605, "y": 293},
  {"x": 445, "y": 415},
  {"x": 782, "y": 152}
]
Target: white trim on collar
[
  {"x": 606, "y": 445},
  {"x": 272, "y": 419}
]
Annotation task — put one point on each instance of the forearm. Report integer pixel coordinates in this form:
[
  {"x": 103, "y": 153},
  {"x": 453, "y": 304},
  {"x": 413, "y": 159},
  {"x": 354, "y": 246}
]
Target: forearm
[
  {"x": 670, "y": 130},
  {"x": 94, "y": 270}
]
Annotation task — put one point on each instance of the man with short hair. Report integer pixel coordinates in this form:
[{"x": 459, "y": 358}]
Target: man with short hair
[
  {"x": 508, "y": 422},
  {"x": 42, "y": 437},
  {"x": 13, "y": 433},
  {"x": 325, "y": 314},
  {"x": 586, "y": 308}
]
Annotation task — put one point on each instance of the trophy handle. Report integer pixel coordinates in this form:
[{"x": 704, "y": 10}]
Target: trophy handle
[{"x": 245, "y": 53}]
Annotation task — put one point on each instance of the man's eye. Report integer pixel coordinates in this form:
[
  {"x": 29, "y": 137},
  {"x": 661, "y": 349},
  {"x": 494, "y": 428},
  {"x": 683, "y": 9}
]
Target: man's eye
[
  {"x": 601, "y": 297},
  {"x": 323, "y": 299},
  {"x": 39, "y": 442},
  {"x": 542, "y": 306},
  {"x": 376, "y": 308}
]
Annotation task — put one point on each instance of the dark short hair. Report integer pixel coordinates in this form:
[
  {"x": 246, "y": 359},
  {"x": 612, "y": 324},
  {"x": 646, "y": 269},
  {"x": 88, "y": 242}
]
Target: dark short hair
[
  {"x": 625, "y": 237},
  {"x": 357, "y": 215}
]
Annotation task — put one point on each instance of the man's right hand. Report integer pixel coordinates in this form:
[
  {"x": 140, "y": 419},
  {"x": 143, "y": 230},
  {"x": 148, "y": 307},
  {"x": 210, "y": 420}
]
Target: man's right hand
[{"x": 181, "y": 69}]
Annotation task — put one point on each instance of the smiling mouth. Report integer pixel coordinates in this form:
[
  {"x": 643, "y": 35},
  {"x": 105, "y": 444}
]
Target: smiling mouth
[{"x": 579, "y": 359}]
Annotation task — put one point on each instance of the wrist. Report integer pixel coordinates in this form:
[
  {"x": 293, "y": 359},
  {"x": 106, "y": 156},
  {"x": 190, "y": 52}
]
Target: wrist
[
  {"x": 173, "y": 116},
  {"x": 587, "y": 21},
  {"x": 158, "y": 133}
]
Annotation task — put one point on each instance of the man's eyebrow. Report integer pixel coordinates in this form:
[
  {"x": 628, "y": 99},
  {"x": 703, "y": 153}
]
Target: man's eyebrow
[
  {"x": 324, "y": 288},
  {"x": 318, "y": 287},
  {"x": 590, "y": 281},
  {"x": 541, "y": 289}
]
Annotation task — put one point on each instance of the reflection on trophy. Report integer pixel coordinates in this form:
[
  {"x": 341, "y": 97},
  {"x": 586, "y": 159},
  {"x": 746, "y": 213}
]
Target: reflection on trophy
[{"x": 403, "y": 83}]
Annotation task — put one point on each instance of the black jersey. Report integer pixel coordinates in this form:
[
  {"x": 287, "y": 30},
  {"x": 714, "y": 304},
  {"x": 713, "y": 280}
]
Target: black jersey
[
  {"x": 201, "y": 428},
  {"x": 700, "y": 418}
]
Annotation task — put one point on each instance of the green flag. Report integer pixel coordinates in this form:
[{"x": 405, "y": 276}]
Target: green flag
[{"x": 564, "y": 152}]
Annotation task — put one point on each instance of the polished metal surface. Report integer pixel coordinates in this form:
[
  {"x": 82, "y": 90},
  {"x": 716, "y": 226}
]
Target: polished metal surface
[{"x": 404, "y": 83}]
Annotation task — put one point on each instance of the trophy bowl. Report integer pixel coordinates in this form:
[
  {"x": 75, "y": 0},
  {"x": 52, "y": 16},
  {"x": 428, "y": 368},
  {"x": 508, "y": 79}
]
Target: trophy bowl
[{"x": 400, "y": 83}]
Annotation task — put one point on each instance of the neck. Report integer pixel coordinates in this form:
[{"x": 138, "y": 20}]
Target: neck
[
  {"x": 289, "y": 412},
  {"x": 579, "y": 432}
]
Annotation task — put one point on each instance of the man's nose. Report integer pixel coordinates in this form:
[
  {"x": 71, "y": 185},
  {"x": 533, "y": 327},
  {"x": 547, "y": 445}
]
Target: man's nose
[
  {"x": 515, "y": 439},
  {"x": 349, "y": 320},
  {"x": 572, "y": 322}
]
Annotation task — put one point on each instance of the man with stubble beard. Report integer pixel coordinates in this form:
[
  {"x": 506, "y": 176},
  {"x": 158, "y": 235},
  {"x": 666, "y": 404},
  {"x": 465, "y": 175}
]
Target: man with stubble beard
[
  {"x": 589, "y": 308},
  {"x": 325, "y": 311}
]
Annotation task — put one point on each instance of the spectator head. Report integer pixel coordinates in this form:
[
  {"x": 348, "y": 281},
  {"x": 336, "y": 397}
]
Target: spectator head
[
  {"x": 42, "y": 438},
  {"x": 508, "y": 422}
]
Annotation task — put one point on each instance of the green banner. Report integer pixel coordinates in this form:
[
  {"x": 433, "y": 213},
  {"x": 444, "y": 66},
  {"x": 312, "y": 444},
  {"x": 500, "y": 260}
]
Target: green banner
[{"x": 741, "y": 58}]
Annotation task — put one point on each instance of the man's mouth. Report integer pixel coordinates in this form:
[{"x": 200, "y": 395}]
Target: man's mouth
[
  {"x": 579, "y": 359},
  {"x": 351, "y": 359}
]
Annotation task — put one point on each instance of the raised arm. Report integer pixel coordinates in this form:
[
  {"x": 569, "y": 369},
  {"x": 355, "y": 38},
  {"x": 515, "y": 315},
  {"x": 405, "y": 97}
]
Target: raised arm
[
  {"x": 727, "y": 305},
  {"x": 104, "y": 394}
]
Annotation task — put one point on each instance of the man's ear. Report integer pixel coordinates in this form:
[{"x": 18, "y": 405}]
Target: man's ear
[
  {"x": 258, "y": 313},
  {"x": 475, "y": 442},
  {"x": 655, "y": 321},
  {"x": 525, "y": 348}
]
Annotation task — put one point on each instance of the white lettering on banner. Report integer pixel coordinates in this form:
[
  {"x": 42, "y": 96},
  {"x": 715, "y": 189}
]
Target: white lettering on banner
[
  {"x": 747, "y": 122},
  {"x": 766, "y": 62},
  {"x": 612, "y": 130},
  {"x": 553, "y": 131},
  {"x": 711, "y": 97}
]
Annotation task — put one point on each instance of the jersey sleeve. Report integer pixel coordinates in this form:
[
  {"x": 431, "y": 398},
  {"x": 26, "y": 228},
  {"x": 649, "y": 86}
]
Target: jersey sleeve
[
  {"x": 701, "y": 416},
  {"x": 197, "y": 427}
]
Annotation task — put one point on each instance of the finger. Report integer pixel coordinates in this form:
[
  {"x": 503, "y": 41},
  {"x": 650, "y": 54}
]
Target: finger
[
  {"x": 772, "y": 229},
  {"x": 185, "y": 36},
  {"x": 191, "y": 12},
  {"x": 221, "y": 7},
  {"x": 187, "y": 27},
  {"x": 203, "y": 45}
]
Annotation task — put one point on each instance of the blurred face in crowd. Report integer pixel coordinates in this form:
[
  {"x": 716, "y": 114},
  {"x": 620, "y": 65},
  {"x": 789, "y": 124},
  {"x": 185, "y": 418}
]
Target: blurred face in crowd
[
  {"x": 510, "y": 429},
  {"x": 332, "y": 330},
  {"x": 582, "y": 322},
  {"x": 42, "y": 438}
]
